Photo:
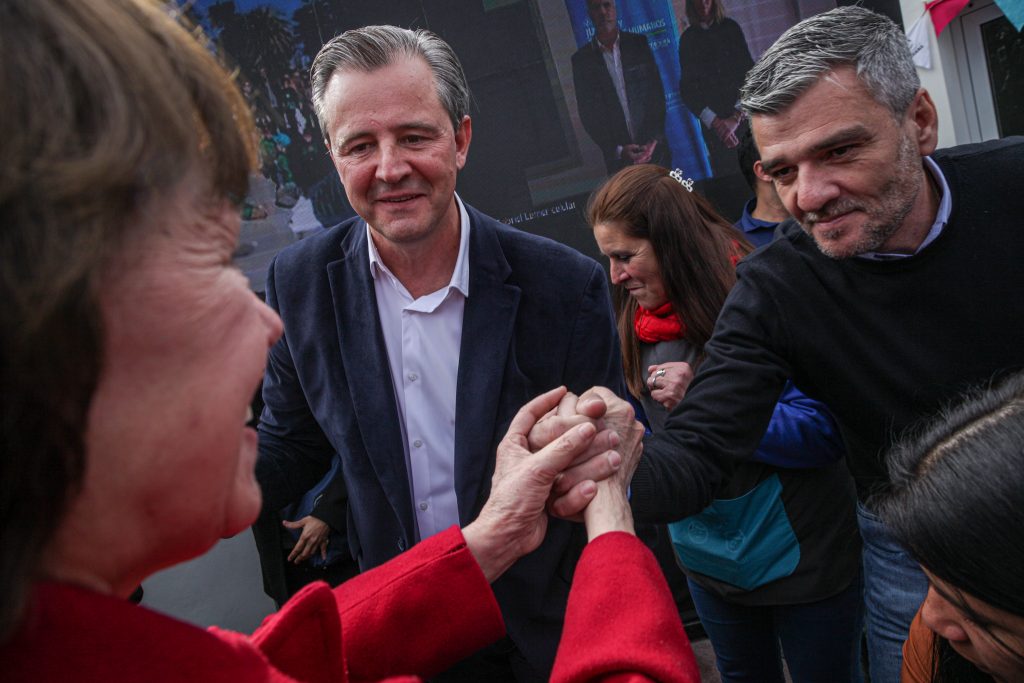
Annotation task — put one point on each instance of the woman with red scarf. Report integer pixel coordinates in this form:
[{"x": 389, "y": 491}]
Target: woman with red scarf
[{"x": 775, "y": 558}]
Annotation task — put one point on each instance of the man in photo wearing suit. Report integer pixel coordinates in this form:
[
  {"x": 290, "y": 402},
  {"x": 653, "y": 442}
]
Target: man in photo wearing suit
[
  {"x": 619, "y": 93},
  {"x": 414, "y": 332}
]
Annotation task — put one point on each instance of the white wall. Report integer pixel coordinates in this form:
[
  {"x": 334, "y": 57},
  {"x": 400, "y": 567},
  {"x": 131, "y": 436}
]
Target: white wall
[{"x": 942, "y": 81}]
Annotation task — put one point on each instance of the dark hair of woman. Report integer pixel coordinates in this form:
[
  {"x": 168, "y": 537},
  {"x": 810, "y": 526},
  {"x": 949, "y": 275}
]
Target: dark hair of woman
[
  {"x": 84, "y": 155},
  {"x": 693, "y": 246},
  {"x": 957, "y": 503},
  {"x": 693, "y": 12}
]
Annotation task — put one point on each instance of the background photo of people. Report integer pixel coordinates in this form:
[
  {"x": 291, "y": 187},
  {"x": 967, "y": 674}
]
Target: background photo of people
[{"x": 534, "y": 164}]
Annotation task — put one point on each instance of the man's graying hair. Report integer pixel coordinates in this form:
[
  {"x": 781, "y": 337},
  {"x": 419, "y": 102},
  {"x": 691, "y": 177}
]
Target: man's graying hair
[
  {"x": 372, "y": 47},
  {"x": 845, "y": 36}
]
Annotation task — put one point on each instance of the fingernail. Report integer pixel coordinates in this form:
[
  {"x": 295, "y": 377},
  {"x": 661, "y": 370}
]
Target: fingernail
[
  {"x": 613, "y": 439},
  {"x": 614, "y": 459},
  {"x": 588, "y": 488},
  {"x": 585, "y": 429}
]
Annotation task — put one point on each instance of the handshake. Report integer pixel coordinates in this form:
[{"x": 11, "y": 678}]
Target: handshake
[{"x": 567, "y": 455}]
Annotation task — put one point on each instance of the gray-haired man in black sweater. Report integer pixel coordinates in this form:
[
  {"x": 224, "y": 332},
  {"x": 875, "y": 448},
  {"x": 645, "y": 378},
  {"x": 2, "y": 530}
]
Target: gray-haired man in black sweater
[{"x": 896, "y": 286}]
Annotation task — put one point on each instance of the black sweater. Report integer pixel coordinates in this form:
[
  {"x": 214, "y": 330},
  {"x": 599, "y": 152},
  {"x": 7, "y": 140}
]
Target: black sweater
[
  {"x": 713, "y": 62},
  {"x": 881, "y": 343}
]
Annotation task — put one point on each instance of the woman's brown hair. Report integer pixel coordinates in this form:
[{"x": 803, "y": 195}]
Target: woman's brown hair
[
  {"x": 693, "y": 13},
  {"x": 108, "y": 106},
  {"x": 691, "y": 242}
]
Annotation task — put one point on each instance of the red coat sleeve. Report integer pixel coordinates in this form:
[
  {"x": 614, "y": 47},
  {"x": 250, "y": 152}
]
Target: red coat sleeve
[
  {"x": 415, "y": 615},
  {"x": 418, "y": 613},
  {"x": 621, "y": 623}
]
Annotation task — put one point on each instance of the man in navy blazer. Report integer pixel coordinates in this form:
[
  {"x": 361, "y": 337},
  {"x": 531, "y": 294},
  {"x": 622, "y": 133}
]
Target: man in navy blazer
[
  {"x": 619, "y": 93},
  {"x": 423, "y": 293}
]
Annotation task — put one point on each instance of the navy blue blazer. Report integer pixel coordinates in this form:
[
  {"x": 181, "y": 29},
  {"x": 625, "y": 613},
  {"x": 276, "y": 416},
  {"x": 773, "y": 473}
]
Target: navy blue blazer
[{"x": 538, "y": 315}]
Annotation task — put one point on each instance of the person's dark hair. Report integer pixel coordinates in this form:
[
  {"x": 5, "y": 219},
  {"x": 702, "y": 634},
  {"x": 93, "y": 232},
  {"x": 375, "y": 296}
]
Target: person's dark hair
[
  {"x": 949, "y": 666},
  {"x": 853, "y": 36},
  {"x": 693, "y": 12},
  {"x": 956, "y": 501},
  {"x": 691, "y": 243},
  {"x": 747, "y": 153},
  {"x": 108, "y": 105},
  {"x": 369, "y": 48}
]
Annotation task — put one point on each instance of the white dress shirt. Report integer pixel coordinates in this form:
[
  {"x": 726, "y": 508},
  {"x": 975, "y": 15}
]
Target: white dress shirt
[
  {"x": 613, "y": 60},
  {"x": 423, "y": 338}
]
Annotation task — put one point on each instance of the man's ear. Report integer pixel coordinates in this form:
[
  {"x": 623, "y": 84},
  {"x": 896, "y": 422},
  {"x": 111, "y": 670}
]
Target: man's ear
[
  {"x": 759, "y": 172},
  {"x": 463, "y": 136},
  {"x": 924, "y": 122}
]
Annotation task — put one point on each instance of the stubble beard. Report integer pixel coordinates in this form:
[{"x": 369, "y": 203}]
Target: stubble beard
[{"x": 896, "y": 199}]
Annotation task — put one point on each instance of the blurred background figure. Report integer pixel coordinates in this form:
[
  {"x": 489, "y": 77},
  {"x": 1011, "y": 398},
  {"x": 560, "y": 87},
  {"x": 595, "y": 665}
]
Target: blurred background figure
[
  {"x": 713, "y": 59},
  {"x": 764, "y": 211},
  {"x": 306, "y": 541},
  {"x": 619, "y": 92}
]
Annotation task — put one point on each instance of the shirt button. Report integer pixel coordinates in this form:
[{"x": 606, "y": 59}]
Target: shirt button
[
  {"x": 423, "y": 506},
  {"x": 417, "y": 443},
  {"x": 413, "y": 376}
]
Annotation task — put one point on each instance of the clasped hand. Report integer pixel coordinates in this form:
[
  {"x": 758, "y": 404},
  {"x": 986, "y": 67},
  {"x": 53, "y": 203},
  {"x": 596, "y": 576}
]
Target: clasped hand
[
  {"x": 573, "y": 489},
  {"x": 568, "y": 455}
]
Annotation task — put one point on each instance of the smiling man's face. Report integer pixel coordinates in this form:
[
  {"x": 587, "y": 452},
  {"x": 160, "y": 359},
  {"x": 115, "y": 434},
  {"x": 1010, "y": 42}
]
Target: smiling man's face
[
  {"x": 846, "y": 169},
  {"x": 395, "y": 150}
]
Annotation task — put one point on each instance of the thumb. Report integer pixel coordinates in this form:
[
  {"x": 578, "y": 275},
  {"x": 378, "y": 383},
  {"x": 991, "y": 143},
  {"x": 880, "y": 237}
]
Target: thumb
[{"x": 292, "y": 525}]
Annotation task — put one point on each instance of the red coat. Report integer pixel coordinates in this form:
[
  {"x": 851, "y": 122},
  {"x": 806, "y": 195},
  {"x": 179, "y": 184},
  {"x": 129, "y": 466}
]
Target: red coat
[
  {"x": 621, "y": 623},
  {"x": 433, "y": 601}
]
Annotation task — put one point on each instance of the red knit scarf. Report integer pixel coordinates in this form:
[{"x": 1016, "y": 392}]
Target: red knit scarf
[{"x": 661, "y": 324}]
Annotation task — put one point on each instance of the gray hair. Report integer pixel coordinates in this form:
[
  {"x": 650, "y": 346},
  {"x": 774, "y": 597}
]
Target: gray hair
[
  {"x": 845, "y": 36},
  {"x": 372, "y": 47}
]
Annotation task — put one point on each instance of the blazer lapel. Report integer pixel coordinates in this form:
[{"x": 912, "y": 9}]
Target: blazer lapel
[
  {"x": 364, "y": 357},
  {"x": 487, "y": 330}
]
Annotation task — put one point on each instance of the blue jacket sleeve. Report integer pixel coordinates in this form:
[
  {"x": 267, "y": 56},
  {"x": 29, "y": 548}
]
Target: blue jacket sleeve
[
  {"x": 294, "y": 453},
  {"x": 802, "y": 433}
]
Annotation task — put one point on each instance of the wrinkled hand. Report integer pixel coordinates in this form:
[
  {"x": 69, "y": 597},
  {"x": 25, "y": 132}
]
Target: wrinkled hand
[
  {"x": 619, "y": 418},
  {"x": 313, "y": 538},
  {"x": 667, "y": 382},
  {"x": 513, "y": 521},
  {"x": 594, "y": 464},
  {"x": 568, "y": 413}
]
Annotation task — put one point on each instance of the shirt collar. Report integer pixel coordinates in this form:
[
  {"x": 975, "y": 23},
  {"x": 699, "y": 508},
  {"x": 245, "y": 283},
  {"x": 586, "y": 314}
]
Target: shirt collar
[
  {"x": 941, "y": 216},
  {"x": 615, "y": 43},
  {"x": 747, "y": 221},
  {"x": 460, "y": 275}
]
